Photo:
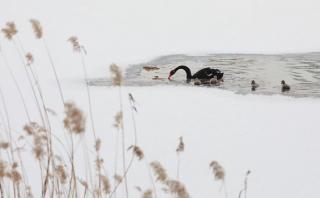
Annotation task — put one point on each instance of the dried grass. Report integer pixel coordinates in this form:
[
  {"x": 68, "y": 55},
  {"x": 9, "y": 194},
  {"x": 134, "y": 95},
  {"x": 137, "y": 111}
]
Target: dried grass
[
  {"x": 147, "y": 194},
  {"x": 97, "y": 145},
  {"x": 3, "y": 168},
  {"x": 118, "y": 120},
  {"x": 218, "y": 171},
  {"x": 105, "y": 184},
  {"x": 116, "y": 75},
  {"x": 37, "y": 28},
  {"x": 137, "y": 151},
  {"x": 4, "y": 145},
  {"x": 74, "y": 120},
  {"x": 180, "y": 147},
  {"x": 62, "y": 174},
  {"x": 117, "y": 178},
  {"x": 177, "y": 188},
  {"x": 39, "y": 135},
  {"x": 10, "y": 30},
  {"x": 75, "y": 43},
  {"x": 29, "y": 58},
  {"x": 159, "y": 171}
]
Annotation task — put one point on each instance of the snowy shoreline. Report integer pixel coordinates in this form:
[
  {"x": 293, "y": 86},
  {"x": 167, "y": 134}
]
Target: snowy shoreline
[{"x": 275, "y": 137}]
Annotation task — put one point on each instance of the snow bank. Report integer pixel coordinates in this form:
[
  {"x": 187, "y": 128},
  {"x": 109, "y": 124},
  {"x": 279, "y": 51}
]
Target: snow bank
[{"x": 275, "y": 137}]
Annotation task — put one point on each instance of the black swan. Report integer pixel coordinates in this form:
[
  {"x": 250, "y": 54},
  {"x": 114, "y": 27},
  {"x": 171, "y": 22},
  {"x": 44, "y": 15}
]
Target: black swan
[
  {"x": 204, "y": 75},
  {"x": 284, "y": 86},
  {"x": 254, "y": 85}
]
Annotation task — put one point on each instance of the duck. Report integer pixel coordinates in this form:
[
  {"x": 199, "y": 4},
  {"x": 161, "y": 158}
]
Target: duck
[
  {"x": 254, "y": 85},
  {"x": 284, "y": 87},
  {"x": 204, "y": 75}
]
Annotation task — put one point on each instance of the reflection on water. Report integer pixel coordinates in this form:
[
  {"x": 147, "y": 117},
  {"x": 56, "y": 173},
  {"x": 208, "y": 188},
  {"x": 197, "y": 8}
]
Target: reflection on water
[{"x": 300, "y": 71}]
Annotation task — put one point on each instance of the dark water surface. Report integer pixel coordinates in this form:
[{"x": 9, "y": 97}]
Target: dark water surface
[{"x": 300, "y": 71}]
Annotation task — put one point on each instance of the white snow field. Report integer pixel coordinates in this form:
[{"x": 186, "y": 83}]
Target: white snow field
[{"x": 276, "y": 137}]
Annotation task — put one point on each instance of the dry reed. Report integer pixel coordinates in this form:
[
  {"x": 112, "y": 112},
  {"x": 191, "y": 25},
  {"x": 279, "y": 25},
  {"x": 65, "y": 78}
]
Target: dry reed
[
  {"x": 38, "y": 31},
  {"x": 217, "y": 170},
  {"x": 106, "y": 184},
  {"x": 10, "y": 30},
  {"x": 245, "y": 185},
  {"x": 219, "y": 174},
  {"x": 116, "y": 76},
  {"x": 147, "y": 194},
  {"x": 176, "y": 188},
  {"x": 74, "y": 120},
  {"x": 37, "y": 28},
  {"x": 179, "y": 150},
  {"x": 159, "y": 171},
  {"x": 4, "y": 145},
  {"x": 62, "y": 174},
  {"x": 137, "y": 151},
  {"x": 16, "y": 85}
]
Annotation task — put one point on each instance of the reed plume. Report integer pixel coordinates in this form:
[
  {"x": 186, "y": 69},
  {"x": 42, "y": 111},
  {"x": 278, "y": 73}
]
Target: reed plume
[
  {"x": 180, "y": 147},
  {"x": 106, "y": 184},
  {"x": 62, "y": 174},
  {"x": 219, "y": 174},
  {"x": 10, "y": 30},
  {"x": 29, "y": 58},
  {"x": 75, "y": 43},
  {"x": 117, "y": 178},
  {"x": 217, "y": 170},
  {"x": 4, "y": 145},
  {"x": 37, "y": 29},
  {"x": 179, "y": 150},
  {"x": 159, "y": 171},
  {"x": 116, "y": 75},
  {"x": 147, "y": 194},
  {"x": 14, "y": 175},
  {"x": 79, "y": 49},
  {"x": 118, "y": 120},
  {"x": 97, "y": 145},
  {"x": 39, "y": 135},
  {"x": 137, "y": 151},
  {"x": 74, "y": 120},
  {"x": 3, "y": 168},
  {"x": 176, "y": 188}
]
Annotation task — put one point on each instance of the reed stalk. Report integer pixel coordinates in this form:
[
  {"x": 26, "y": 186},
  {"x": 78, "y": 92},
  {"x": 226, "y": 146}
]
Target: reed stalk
[{"x": 16, "y": 85}]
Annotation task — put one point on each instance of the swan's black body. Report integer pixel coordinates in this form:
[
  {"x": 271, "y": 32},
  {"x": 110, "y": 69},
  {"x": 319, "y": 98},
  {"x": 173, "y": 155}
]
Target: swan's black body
[{"x": 204, "y": 74}]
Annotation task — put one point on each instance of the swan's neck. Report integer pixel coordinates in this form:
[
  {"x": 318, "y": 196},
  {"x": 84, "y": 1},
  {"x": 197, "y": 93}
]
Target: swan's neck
[{"x": 187, "y": 70}]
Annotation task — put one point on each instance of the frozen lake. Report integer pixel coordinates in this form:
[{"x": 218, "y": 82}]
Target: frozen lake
[{"x": 300, "y": 71}]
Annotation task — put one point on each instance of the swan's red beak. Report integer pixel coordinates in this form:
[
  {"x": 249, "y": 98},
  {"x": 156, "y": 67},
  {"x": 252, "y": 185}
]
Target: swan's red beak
[{"x": 169, "y": 77}]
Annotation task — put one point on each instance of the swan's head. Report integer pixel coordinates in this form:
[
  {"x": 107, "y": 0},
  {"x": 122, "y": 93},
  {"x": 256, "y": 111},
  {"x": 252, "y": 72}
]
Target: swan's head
[
  {"x": 172, "y": 72},
  {"x": 283, "y": 82},
  {"x": 253, "y": 82}
]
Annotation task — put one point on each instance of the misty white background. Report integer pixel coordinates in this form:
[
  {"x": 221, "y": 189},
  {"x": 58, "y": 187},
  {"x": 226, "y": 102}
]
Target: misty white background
[{"x": 126, "y": 31}]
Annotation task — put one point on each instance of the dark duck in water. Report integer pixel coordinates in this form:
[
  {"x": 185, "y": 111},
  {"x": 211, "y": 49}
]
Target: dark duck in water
[
  {"x": 204, "y": 75},
  {"x": 254, "y": 85},
  {"x": 284, "y": 86}
]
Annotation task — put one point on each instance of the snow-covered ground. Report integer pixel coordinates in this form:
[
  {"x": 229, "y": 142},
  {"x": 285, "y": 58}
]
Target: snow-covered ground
[{"x": 275, "y": 137}]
